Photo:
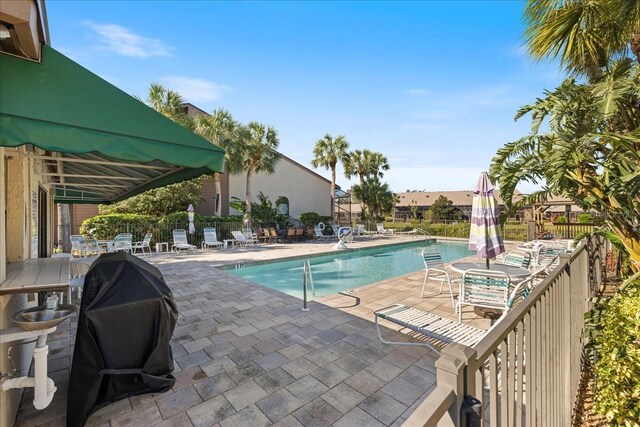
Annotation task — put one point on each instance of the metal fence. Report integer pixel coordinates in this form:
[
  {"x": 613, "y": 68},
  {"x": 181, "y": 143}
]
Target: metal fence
[
  {"x": 570, "y": 230},
  {"x": 526, "y": 370}
]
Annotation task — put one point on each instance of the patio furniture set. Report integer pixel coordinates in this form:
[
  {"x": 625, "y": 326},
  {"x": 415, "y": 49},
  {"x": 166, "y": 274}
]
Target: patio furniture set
[{"x": 500, "y": 287}]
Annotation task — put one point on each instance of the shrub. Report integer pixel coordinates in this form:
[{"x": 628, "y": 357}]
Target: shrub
[
  {"x": 109, "y": 226},
  {"x": 585, "y": 218},
  {"x": 561, "y": 220},
  {"x": 179, "y": 218},
  {"x": 309, "y": 219},
  {"x": 617, "y": 369}
]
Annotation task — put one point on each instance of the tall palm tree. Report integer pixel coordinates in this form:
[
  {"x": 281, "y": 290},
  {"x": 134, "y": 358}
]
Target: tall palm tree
[
  {"x": 222, "y": 130},
  {"x": 167, "y": 102},
  {"x": 365, "y": 163},
  {"x": 256, "y": 152},
  {"x": 584, "y": 34},
  {"x": 327, "y": 152}
]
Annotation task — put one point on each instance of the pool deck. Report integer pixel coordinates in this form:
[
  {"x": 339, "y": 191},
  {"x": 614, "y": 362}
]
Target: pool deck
[{"x": 247, "y": 355}]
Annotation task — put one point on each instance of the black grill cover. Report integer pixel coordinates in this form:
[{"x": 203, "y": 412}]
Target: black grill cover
[{"x": 127, "y": 317}]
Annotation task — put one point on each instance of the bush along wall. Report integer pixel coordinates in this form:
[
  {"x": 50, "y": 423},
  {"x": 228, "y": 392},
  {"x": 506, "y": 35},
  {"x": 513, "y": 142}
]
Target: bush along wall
[{"x": 617, "y": 368}]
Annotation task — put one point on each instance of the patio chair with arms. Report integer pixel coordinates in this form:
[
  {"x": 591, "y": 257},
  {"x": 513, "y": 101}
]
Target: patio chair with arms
[
  {"x": 438, "y": 330},
  {"x": 211, "y": 239},
  {"x": 436, "y": 270},
  {"x": 122, "y": 242},
  {"x": 482, "y": 288},
  {"x": 145, "y": 243},
  {"x": 76, "y": 244},
  {"x": 518, "y": 258},
  {"x": 180, "y": 241}
]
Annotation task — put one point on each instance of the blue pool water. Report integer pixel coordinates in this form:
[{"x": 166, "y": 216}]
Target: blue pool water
[{"x": 342, "y": 271}]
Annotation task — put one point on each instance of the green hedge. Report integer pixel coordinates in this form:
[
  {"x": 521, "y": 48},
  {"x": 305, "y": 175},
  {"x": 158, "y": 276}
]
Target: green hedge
[
  {"x": 108, "y": 226},
  {"x": 617, "y": 368}
]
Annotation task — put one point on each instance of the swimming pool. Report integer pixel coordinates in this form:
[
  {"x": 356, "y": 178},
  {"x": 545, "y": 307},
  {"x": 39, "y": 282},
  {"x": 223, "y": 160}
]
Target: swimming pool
[{"x": 342, "y": 271}]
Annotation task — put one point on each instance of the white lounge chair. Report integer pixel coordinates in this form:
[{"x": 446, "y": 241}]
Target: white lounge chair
[
  {"x": 518, "y": 258},
  {"x": 440, "y": 331},
  {"x": 122, "y": 242},
  {"x": 318, "y": 235},
  {"x": 241, "y": 239},
  {"x": 180, "y": 241},
  {"x": 142, "y": 245},
  {"x": 436, "y": 270},
  {"x": 382, "y": 230},
  {"x": 211, "y": 239}
]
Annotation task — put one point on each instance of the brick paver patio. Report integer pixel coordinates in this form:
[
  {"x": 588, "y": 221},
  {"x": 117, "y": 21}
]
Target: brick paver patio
[{"x": 246, "y": 355}]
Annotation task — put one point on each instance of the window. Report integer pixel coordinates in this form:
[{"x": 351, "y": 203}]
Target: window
[{"x": 282, "y": 205}]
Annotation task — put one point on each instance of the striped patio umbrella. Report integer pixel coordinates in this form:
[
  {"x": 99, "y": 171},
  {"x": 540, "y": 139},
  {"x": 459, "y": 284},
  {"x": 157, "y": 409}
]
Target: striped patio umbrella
[
  {"x": 190, "y": 215},
  {"x": 486, "y": 235}
]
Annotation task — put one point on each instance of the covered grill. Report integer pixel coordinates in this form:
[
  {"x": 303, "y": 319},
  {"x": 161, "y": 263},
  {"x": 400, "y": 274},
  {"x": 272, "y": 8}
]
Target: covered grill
[{"x": 127, "y": 317}]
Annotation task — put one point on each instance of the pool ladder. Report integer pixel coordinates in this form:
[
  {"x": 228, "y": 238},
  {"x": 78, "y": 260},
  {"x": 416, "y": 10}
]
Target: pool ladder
[{"x": 307, "y": 276}]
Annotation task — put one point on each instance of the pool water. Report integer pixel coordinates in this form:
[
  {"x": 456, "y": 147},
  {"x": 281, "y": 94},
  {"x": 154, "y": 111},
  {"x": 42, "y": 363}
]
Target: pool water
[{"x": 342, "y": 271}]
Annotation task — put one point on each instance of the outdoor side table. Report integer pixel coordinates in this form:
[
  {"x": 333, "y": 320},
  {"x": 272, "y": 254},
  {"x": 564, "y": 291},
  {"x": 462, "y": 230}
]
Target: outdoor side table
[
  {"x": 161, "y": 245},
  {"x": 226, "y": 242}
]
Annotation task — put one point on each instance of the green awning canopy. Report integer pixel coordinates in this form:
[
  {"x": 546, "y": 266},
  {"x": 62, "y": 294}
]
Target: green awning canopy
[{"x": 102, "y": 144}]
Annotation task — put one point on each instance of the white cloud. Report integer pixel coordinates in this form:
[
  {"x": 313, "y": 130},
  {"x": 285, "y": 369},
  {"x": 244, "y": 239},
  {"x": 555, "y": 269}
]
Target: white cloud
[
  {"x": 195, "y": 89},
  {"x": 418, "y": 92},
  {"x": 124, "y": 42}
]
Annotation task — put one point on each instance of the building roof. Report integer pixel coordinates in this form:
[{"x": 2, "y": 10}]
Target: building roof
[{"x": 426, "y": 198}]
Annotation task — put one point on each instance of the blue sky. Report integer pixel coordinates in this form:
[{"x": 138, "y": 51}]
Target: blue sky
[{"x": 432, "y": 85}]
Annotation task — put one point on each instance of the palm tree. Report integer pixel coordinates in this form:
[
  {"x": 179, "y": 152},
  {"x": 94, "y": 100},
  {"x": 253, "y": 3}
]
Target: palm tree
[
  {"x": 365, "y": 163},
  {"x": 591, "y": 153},
  {"x": 327, "y": 153},
  {"x": 167, "y": 102},
  {"x": 585, "y": 34},
  {"x": 222, "y": 130},
  {"x": 255, "y": 152},
  {"x": 376, "y": 196}
]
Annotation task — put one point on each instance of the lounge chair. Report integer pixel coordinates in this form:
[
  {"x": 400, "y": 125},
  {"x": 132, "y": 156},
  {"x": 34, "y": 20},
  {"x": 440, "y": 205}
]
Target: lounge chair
[
  {"x": 240, "y": 239},
  {"x": 180, "y": 241},
  {"x": 122, "y": 242},
  {"x": 211, "y": 239},
  {"x": 382, "y": 230},
  {"x": 273, "y": 235},
  {"x": 250, "y": 235},
  {"x": 142, "y": 245},
  {"x": 440, "y": 331},
  {"x": 436, "y": 270}
]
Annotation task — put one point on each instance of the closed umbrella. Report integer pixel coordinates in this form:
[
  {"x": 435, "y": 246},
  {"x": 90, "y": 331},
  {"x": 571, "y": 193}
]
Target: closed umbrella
[
  {"x": 486, "y": 235},
  {"x": 192, "y": 228}
]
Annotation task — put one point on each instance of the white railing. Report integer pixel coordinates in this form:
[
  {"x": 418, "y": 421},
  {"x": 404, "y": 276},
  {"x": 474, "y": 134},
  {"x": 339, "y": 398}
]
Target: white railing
[{"x": 525, "y": 371}]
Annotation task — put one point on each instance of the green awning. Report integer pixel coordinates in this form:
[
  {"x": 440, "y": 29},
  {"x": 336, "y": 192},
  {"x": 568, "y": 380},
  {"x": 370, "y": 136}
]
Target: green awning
[{"x": 103, "y": 145}]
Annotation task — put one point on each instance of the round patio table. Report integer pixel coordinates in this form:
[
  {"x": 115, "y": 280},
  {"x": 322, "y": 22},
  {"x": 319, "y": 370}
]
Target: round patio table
[{"x": 512, "y": 271}]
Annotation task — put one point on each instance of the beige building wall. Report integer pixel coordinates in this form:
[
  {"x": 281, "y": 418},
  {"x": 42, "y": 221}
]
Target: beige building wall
[
  {"x": 19, "y": 179},
  {"x": 306, "y": 190}
]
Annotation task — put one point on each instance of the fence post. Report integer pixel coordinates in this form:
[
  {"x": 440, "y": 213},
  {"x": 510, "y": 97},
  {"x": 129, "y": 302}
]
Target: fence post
[
  {"x": 531, "y": 230},
  {"x": 450, "y": 371}
]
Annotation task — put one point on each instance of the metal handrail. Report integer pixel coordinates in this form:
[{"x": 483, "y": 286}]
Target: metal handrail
[{"x": 306, "y": 272}]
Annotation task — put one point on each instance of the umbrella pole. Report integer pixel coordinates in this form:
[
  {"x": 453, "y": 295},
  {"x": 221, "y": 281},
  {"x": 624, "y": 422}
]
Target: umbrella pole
[{"x": 487, "y": 263}]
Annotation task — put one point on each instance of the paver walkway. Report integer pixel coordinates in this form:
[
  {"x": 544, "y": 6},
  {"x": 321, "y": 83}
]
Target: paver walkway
[{"x": 246, "y": 355}]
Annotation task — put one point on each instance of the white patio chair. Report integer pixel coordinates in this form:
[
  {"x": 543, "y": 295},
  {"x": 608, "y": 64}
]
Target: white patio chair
[
  {"x": 436, "y": 270},
  {"x": 180, "y": 241},
  {"x": 122, "y": 242},
  {"x": 211, "y": 239},
  {"x": 518, "y": 258},
  {"x": 76, "y": 244},
  {"x": 89, "y": 247},
  {"x": 250, "y": 235},
  {"x": 142, "y": 245},
  {"x": 382, "y": 230},
  {"x": 482, "y": 288},
  {"x": 241, "y": 239},
  {"x": 318, "y": 235}
]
